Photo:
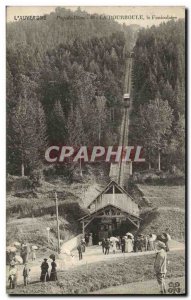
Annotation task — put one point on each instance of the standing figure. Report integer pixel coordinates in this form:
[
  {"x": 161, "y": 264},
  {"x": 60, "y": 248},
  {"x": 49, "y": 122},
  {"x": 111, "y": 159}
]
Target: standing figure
[
  {"x": 123, "y": 245},
  {"x": 118, "y": 244},
  {"x": 24, "y": 253},
  {"x": 107, "y": 246},
  {"x": 87, "y": 239},
  {"x": 128, "y": 245},
  {"x": 114, "y": 247},
  {"x": 26, "y": 271},
  {"x": 165, "y": 238},
  {"x": 33, "y": 254},
  {"x": 53, "y": 272},
  {"x": 12, "y": 275},
  {"x": 90, "y": 240},
  {"x": 83, "y": 243},
  {"x": 79, "y": 248},
  {"x": 151, "y": 242},
  {"x": 44, "y": 271},
  {"x": 160, "y": 266},
  {"x": 103, "y": 245},
  {"x": 146, "y": 242}
]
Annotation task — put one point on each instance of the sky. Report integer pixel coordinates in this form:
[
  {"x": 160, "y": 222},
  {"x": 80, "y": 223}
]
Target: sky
[{"x": 149, "y": 14}]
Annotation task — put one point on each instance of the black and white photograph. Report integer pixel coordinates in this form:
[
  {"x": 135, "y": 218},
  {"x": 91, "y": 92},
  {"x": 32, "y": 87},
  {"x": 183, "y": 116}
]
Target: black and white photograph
[{"x": 95, "y": 150}]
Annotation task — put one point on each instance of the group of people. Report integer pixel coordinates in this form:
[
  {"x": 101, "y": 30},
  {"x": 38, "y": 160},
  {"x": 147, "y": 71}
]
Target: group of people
[
  {"x": 45, "y": 271},
  {"x": 159, "y": 243},
  {"x": 126, "y": 244},
  {"x": 26, "y": 251},
  {"x": 44, "y": 277},
  {"x": 129, "y": 243}
]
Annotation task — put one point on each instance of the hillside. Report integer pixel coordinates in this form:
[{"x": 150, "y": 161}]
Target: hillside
[
  {"x": 158, "y": 115},
  {"x": 31, "y": 211},
  {"x": 167, "y": 210},
  {"x": 67, "y": 77}
]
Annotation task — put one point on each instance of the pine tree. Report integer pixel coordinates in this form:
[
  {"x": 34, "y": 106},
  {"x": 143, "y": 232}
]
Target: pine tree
[{"x": 156, "y": 122}]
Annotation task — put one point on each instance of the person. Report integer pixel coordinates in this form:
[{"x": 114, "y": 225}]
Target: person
[
  {"x": 79, "y": 248},
  {"x": 160, "y": 265},
  {"x": 24, "y": 253},
  {"x": 118, "y": 244},
  {"x": 83, "y": 243},
  {"x": 26, "y": 271},
  {"x": 107, "y": 246},
  {"x": 135, "y": 246},
  {"x": 90, "y": 240},
  {"x": 103, "y": 245},
  {"x": 33, "y": 254},
  {"x": 151, "y": 243},
  {"x": 128, "y": 245},
  {"x": 53, "y": 272},
  {"x": 146, "y": 242},
  {"x": 123, "y": 245},
  {"x": 12, "y": 275},
  {"x": 165, "y": 238},
  {"x": 114, "y": 247},
  {"x": 87, "y": 239},
  {"x": 44, "y": 271}
]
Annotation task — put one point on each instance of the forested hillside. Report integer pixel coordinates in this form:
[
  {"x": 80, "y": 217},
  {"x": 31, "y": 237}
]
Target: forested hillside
[
  {"x": 158, "y": 117},
  {"x": 64, "y": 84}
]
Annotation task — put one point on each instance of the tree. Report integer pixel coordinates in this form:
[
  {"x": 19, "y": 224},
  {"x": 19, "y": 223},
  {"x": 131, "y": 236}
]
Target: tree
[
  {"x": 76, "y": 134},
  {"x": 30, "y": 133},
  {"x": 29, "y": 128},
  {"x": 156, "y": 122},
  {"x": 101, "y": 117},
  {"x": 57, "y": 124}
]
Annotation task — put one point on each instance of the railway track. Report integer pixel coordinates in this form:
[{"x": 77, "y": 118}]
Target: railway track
[{"x": 120, "y": 172}]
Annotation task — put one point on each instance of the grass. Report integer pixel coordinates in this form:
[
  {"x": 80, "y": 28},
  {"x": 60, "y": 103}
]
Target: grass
[
  {"x": 166, "y": 211},
  {"x": 149, "y": 287},
  {"x": 157, "y": 221},
  {"x": 173, "y": 196},
  {"x": 93, "y": 277}
]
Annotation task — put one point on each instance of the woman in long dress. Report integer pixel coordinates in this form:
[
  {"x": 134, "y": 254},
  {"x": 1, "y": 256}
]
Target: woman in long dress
[
  {"x": 53, "y": 272},
  {"x": 128, "y": 245},
  {"x": 113, "y": 245}
]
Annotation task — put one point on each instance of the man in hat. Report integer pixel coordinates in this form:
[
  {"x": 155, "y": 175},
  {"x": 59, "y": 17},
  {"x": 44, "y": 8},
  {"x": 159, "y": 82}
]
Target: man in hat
[
  {"x": 26, "y": 271},
  {"x": 44, "y": 271},
  {"x": 160, "y": 265}
]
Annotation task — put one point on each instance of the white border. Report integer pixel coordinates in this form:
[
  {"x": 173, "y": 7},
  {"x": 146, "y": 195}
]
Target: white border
[{"x": 5, "y": 3}]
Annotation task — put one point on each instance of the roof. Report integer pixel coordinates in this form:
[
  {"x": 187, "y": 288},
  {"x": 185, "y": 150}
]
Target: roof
[
  {"x": 90, "y": 214},
  {"x": 107, "y": 186}
]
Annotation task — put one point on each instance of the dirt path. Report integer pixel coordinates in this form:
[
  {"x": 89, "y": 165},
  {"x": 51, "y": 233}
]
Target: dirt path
[
  {"x": 92, "y": 255},
  {"x": 146, "y": 287}
]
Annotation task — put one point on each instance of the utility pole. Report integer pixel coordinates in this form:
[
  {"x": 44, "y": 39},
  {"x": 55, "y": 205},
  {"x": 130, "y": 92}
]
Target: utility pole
[
  {"x": 48, "y": 234},
  {"x": 58, "y": 229}
]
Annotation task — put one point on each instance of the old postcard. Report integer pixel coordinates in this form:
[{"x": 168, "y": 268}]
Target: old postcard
[{"x": 95, "y": 150}]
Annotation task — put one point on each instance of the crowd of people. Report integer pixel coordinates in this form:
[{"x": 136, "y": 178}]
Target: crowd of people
[
  {"x": 44, "y": 277},
  {"x": 27, "y": 253},
  {"x": 128, "y": 243},
  {"x": 125, "y": 244}
]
